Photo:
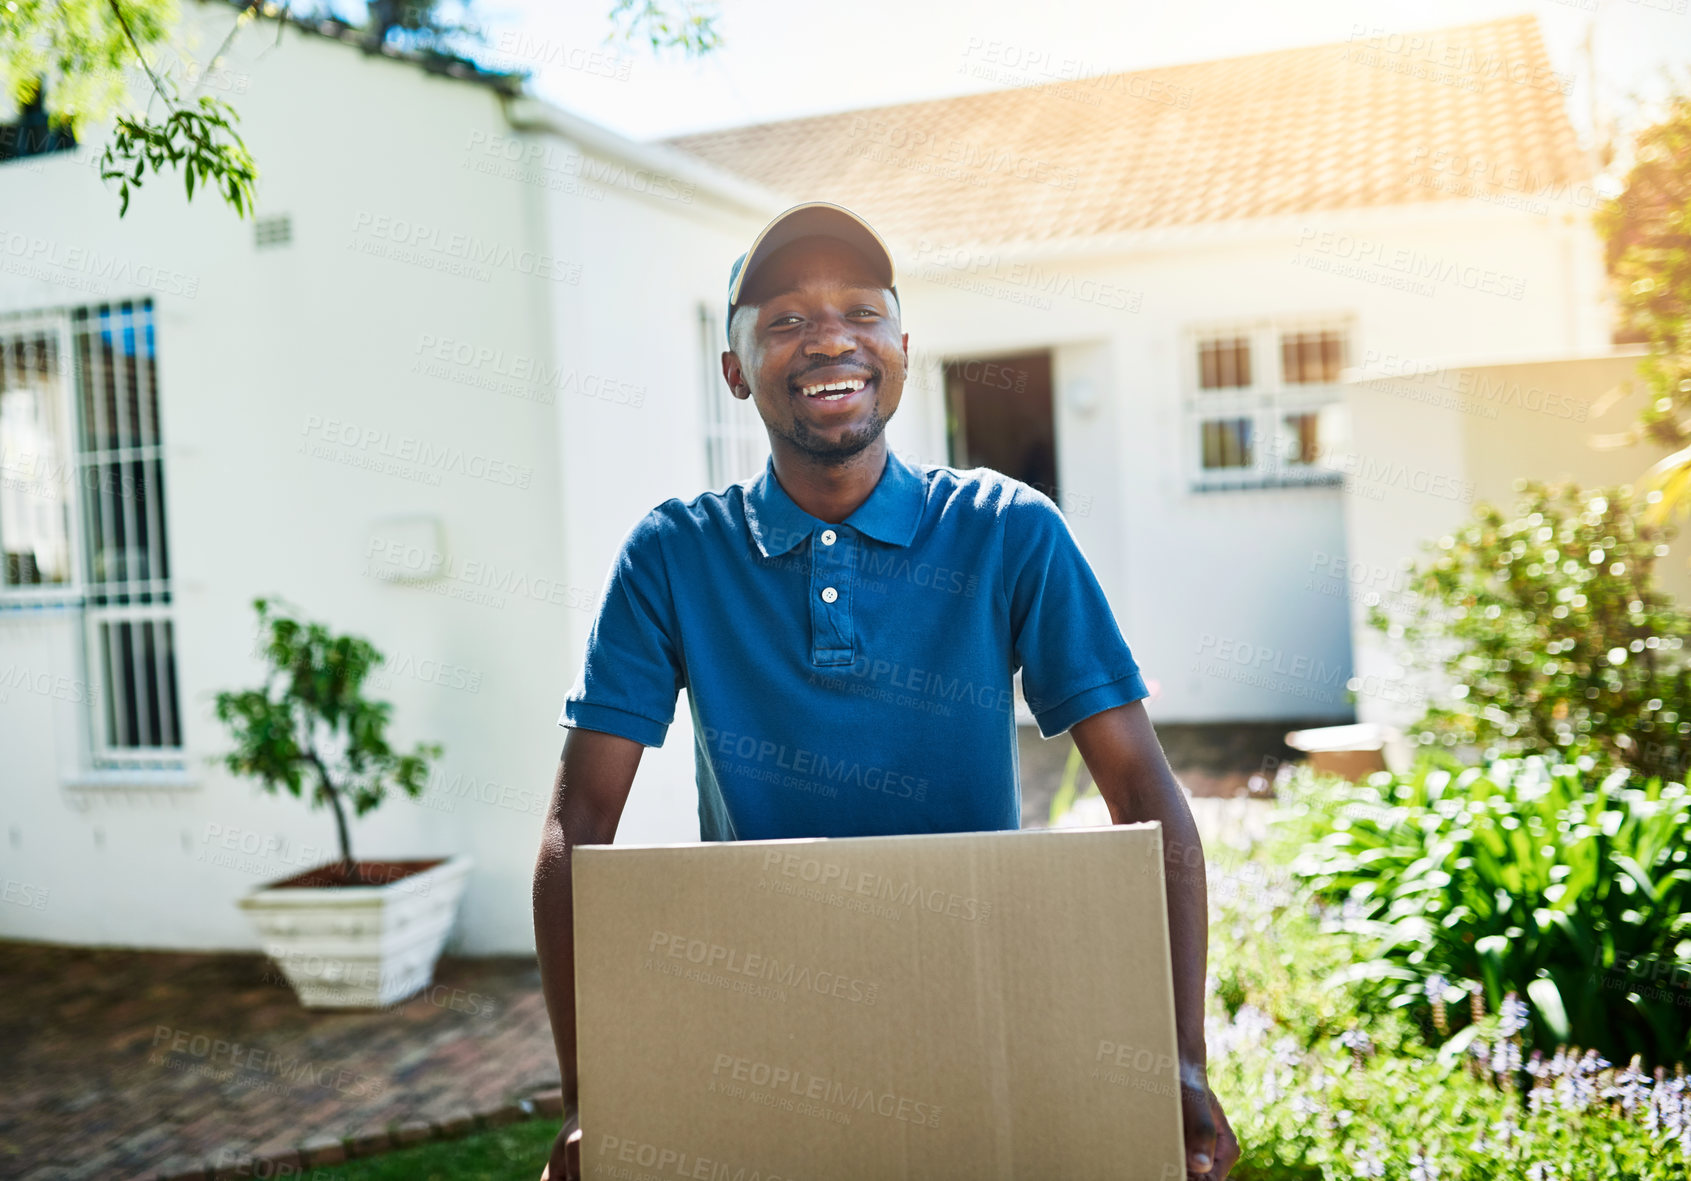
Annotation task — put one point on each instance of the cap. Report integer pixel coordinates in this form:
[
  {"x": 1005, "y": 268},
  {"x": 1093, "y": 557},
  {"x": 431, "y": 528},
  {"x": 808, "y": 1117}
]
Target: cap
[{"x": 801, "y": 221}]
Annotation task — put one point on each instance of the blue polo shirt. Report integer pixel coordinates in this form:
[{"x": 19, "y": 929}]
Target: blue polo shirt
[{"x": 853, "y": 679}]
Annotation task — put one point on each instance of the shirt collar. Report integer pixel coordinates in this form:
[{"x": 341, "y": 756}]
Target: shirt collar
[{"x": 891, "y": 514}]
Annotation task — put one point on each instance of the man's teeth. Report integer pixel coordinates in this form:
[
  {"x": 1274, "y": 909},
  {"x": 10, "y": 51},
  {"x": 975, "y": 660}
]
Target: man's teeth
[{"x": 845, "y": 388}]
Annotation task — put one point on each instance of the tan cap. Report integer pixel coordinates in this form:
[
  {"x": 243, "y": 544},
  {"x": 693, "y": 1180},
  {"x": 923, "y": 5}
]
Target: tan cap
[{"x": 802, "y": 221}]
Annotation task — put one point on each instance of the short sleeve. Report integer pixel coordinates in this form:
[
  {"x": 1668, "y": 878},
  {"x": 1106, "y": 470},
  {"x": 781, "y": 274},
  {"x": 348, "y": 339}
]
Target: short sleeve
[
  {"x": 1064, "y": 636},
  {"x": 632, "y": 670}
]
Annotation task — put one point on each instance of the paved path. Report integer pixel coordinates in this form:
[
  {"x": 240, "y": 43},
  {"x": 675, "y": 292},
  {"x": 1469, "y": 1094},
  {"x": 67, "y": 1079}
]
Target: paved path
[{"x": 120, "y": 1064}]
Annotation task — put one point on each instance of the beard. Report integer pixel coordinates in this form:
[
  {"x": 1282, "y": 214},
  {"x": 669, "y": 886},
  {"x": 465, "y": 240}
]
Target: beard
[{"x": 840, "y": 449}]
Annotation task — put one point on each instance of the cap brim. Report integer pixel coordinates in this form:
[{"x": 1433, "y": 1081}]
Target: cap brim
[{"x": 802, "y": 221}]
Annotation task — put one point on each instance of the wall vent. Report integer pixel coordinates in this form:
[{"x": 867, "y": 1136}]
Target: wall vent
[{"x": 273, "y": 231}]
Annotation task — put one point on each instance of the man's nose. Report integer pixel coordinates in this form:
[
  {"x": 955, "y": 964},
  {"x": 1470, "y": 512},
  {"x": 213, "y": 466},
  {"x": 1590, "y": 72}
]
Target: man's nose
[{"x": 831, "y": 337}]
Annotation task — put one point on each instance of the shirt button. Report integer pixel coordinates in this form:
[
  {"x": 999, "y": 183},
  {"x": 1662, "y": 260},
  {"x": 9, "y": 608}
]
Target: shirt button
[
  {"x": 828, "y": 537},
  {"x": 829, "y": 594}
]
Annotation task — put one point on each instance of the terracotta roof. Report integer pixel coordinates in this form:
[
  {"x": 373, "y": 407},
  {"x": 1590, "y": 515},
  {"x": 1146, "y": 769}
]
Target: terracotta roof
[{"x": 1383, "y": 119}]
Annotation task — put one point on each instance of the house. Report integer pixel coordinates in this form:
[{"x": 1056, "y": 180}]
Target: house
[
  {"x": 1183, "y": 266},
  {"x": 470, "y": 339}
]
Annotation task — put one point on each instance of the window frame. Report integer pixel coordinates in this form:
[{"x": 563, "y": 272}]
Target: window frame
[
  {"x": 28, "y": 321},
  {"x": 1266, "y": 401}
]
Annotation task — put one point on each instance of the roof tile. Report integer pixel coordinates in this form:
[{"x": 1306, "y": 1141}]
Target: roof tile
[{"x": 1381, "y": 120}]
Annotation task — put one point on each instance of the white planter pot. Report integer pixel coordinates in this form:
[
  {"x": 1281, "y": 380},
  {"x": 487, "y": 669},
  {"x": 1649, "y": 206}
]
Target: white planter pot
[{"x": 359, "y": 946}]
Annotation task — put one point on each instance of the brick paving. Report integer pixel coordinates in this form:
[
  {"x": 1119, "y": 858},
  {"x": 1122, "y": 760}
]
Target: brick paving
[{"x": 124, "y": 1064}]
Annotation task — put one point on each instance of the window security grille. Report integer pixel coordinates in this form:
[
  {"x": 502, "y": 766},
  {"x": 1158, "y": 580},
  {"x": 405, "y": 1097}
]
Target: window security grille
[{"x": 131, "y": 636}]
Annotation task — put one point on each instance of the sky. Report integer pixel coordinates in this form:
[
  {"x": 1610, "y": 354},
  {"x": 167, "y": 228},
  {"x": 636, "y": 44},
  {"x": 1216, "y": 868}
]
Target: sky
[{"x": 781, "y": 59}]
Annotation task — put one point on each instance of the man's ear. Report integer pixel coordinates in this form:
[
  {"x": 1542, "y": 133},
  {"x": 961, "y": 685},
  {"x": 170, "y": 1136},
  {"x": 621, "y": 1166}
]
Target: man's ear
[{"x": 734, "y": 376}]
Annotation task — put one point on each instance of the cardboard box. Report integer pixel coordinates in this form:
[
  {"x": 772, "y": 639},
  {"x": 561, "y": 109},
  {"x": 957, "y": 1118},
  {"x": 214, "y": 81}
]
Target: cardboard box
[{"x": 978, "y": 1005}]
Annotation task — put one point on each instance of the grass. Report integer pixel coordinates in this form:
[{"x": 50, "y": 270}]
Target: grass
[{"x": 515, "y": 1152}]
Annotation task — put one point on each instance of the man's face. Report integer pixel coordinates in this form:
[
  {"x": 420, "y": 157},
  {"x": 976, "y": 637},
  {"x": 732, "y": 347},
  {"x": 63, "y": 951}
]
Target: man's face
[{"x": 814, "y": 314}]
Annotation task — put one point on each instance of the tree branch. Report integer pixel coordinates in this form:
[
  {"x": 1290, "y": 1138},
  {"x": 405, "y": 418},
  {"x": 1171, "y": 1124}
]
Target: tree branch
[{"x": 158, "y": 86}]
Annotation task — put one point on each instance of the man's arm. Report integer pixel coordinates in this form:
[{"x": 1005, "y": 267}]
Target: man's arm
[
  {"x": 1127, "y": 763},
  {"x": 594, "y": 775}
]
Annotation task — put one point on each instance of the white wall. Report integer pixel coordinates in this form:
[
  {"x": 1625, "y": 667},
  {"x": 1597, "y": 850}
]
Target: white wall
[{"x": 1499, "y": 422}]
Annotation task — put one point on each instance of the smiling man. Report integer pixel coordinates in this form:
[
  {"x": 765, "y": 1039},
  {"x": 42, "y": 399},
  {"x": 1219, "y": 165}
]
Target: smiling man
[{"x": 847, "y": 626}]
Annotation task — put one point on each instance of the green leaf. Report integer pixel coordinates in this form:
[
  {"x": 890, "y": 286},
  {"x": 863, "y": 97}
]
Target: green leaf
[
  {"x": 1636, "y": 873},
  {"x": 1065, "y": 797},
  {"x": 1550, "y": 1009},
  {"x": 1454, "y": 1047}
]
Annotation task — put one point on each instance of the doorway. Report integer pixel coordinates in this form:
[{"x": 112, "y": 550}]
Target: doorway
[{"x": 999, "y": 414}]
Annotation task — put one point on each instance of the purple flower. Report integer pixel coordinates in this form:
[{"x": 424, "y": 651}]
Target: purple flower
[{"x": 1513, "y": 1013}]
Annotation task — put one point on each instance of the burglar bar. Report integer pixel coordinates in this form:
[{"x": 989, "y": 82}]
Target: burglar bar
[{"x": 128, "y": 614}]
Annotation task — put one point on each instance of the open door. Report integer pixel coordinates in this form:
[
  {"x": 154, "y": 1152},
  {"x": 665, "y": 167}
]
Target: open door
[{"x": 999, "y": 414}]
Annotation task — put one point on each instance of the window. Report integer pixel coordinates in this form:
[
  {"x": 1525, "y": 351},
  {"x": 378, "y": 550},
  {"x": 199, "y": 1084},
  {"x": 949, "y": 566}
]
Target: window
[
  {"x": 1263, "y": 401},
  {"x": 121, "y": 472},
  {"x": 1224, "y": 363},
  {"x": 82, "y": 512},
  {"x": 1227, "y": 443},
  {"x": 736, "y": 443},
  {"x": 35, "y": 483},
  {"x": 1300, "y": 437},
  {"x": 1311, "y": 358}
]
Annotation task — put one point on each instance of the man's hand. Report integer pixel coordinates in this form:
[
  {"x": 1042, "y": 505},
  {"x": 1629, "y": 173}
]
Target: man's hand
[
  {"x": 1211, "y": 1147},
  {"x": 594, "y": 775},
  {"x": 565, "y": 1162}
]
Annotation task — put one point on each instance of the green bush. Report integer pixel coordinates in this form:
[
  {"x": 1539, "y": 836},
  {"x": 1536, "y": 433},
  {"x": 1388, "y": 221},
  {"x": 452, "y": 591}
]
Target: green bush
[
  {"x": 1318, "y": 1090},
  {"x": 1527, "y": 877},
  {"x": 1548, "y": 628}
]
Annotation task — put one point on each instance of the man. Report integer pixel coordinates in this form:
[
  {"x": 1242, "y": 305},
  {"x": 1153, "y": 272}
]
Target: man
[{"x": 847, "y": 609}]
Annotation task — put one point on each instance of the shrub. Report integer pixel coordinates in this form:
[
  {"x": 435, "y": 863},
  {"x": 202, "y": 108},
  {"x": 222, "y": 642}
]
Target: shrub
[
  {"x": 1523, "y": 877},
  {"x": 1548, "y": 627},
  {"x": 1317, "y": 1091}
]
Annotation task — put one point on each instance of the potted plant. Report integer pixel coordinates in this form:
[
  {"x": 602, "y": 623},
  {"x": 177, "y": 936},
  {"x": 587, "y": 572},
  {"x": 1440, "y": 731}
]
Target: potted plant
[{"x": 345, "y": 933}]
